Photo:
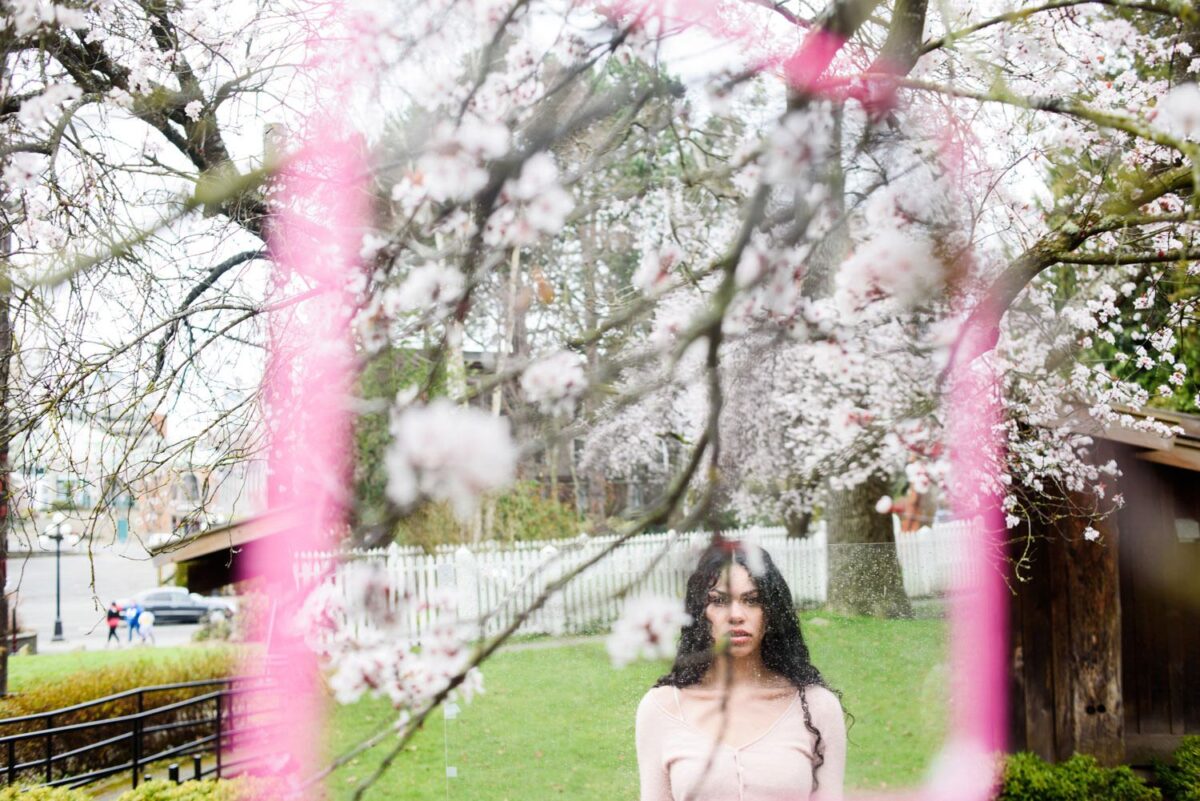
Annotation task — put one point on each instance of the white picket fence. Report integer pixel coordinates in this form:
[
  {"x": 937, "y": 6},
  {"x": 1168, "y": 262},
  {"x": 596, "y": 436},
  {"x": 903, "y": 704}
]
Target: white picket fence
[{"x": 494, "y": 582}]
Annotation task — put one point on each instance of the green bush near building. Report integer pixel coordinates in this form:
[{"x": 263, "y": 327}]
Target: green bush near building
[
  {"x": 1029, "y": 778},
  {"x": 1181, "y": 781}
]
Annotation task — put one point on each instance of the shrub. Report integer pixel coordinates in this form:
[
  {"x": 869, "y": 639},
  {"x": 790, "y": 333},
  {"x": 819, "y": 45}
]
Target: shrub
[
  {"x": 249, "y": 621},
  {"x": 523, "y": 513},
  {"x": 42, "y": 794},
  {"x": 1181, "y": 781},
  {"x": 214, "y": 627},
  {"x": 520, "y": 513},
  {"x": 240, "y": 789},
  {"x": 88, "y": 685},
  {"x": 1080, "y": 778}
]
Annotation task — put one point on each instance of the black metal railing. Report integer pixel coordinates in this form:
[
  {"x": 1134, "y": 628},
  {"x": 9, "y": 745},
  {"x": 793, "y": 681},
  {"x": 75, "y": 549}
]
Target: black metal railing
[{"x": 222, "y": 720}]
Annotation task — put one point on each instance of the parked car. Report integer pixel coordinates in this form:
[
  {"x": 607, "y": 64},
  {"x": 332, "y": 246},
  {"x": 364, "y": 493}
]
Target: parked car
[{"x": 177, "y": 605}]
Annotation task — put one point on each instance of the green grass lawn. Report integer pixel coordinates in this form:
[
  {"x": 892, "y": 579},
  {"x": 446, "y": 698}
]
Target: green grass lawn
[
  {"x": 558, "y": 722},
  {"x": 25, "y": 672}
]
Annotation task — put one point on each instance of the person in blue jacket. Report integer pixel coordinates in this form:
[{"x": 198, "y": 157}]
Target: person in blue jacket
[{"x": 134, "y": 614}]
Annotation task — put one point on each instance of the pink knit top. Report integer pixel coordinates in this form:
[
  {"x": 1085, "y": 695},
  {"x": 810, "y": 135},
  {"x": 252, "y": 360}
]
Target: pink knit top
[{"x": 773, "y": 765}]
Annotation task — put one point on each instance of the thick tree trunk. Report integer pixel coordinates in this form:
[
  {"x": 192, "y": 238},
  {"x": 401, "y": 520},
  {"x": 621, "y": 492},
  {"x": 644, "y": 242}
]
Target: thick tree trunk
[
  {"x": 797, "y": 524},
  {"x": 864, "y": 571}
]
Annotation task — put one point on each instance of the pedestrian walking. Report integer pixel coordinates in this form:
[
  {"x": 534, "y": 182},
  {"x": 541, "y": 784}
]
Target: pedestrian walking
[
  {"x": 114, "y": 620},
  {"x": 133, "y": 615},
  {"x": 146, "y": 626}
]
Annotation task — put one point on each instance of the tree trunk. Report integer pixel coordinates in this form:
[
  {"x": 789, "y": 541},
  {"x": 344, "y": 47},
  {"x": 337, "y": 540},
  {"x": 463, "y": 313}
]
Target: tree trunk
[
  {"x": 595, "y": 483},
  {"x": 864, "y": 571},
  {"x": 6, "y": 346},
  {"x": 797, "y": 524}
]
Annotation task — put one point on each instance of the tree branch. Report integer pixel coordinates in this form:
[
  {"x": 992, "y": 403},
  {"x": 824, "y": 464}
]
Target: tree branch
[
  {"x": 1025, "y": 13},
  {"x": 160, "y": 351},
  {"x": 1117, "y": 259}
]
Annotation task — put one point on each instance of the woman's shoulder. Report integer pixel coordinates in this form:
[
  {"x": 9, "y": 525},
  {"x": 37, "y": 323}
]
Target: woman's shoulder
[
  {"x": 823, "y": 703},
  {"x": 658, "y": 701}
]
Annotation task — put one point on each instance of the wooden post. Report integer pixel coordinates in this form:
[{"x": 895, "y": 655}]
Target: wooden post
[
  {"x": 1065, "y": 634},
  {"x": 1093, "y": 717}
]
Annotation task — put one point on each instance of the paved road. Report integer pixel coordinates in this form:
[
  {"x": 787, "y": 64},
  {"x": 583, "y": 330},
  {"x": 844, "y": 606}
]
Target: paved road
[{"x": 118, "y": 574}]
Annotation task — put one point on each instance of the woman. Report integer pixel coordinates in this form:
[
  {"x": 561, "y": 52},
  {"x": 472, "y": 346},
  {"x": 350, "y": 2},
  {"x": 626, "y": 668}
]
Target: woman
[
  {"x": 113, "y": 618},
  {"x": 743, "y": 715}
]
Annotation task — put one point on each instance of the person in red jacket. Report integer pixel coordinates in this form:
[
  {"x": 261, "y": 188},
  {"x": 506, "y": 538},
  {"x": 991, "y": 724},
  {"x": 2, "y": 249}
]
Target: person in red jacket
[{"x": 114, "y": 620}]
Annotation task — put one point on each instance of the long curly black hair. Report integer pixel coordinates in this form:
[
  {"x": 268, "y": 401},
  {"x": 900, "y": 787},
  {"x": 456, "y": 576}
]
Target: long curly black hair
[{"x": 783, "y": 648}]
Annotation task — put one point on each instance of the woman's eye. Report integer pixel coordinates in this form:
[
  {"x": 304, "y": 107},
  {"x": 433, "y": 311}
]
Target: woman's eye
[
  {"x": 754, "y": 601},
  {"x": 717, "y": 600}
]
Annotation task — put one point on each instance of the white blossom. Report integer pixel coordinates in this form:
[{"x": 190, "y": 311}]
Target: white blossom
[
  {"x": 799, "y": 142},
  {"x": 884, "y": 504},
  {"x": 368, "y": 648},
  {"x": 894, "y": 265},
  {"x": 555, "y": 382},
  {"x": 533, "y": 205},
  {"x": 29, "y": 15},
  {"x": 453, "y": 168},
  {"x": 654, "y": 270},
  {"x": 42, "y": 109},
  {"x": 1179, "y": 111},
  {"x": 448, "y": 453},
  {"x": 431, "y": 289},
  {"x": 647, "y": 628},
  {"x": 23, "y": 170},
  {"x": 193, "y": 109}
]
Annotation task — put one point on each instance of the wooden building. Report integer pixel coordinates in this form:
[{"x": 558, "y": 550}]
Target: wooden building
[
  {"x": 218, "y": 557},
  {"x": 1105, "y": 636}
]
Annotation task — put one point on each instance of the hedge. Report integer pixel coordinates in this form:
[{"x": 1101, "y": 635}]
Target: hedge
[
  {"x": 1181, "y": 781},
  {"x": 1080, "y": 778},
  {"x": 88, "y": 685},
  {"x": 241, "y": 789},
  {"x": 42, "y": 794}
]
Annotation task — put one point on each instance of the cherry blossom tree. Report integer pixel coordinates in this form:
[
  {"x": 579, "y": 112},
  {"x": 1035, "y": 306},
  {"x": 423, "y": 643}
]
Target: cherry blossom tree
[
  {"x": 134, "y": 225},
  {"x": 757, "y": 273},
  {"x": 813, "y": 232}
]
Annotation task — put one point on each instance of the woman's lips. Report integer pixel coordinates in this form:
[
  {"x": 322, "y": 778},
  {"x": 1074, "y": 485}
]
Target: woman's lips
[{"x": 739, "y": 637}]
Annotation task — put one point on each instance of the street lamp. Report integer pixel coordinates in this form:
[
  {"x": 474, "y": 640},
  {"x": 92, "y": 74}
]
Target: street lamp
[{"x": 61, "y": 529}]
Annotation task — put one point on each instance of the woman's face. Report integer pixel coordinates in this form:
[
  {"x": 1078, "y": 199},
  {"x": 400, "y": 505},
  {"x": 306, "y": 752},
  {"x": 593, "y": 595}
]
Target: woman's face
[{"x": 735, "y": 612}]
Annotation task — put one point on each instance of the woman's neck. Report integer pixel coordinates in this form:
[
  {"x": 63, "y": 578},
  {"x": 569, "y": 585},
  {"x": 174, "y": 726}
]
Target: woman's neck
[{"x": 746, "y": 671}]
